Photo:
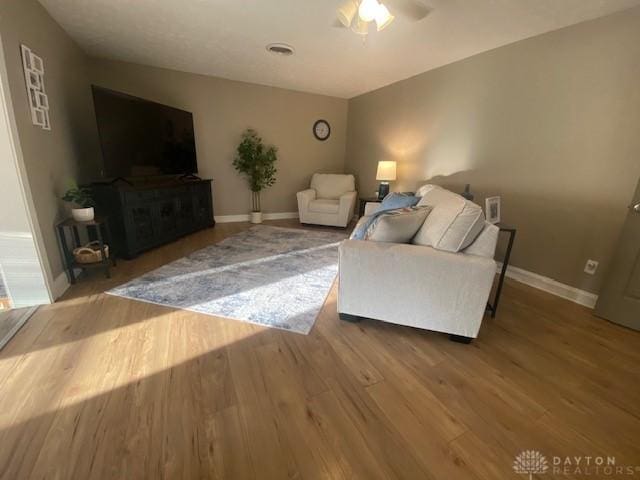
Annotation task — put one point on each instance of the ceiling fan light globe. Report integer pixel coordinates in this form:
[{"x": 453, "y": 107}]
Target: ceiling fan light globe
[
  {"x": 383, "y": 17},
  {"x": 368, "y": 9},
  {"x": 347, "y": 12}
]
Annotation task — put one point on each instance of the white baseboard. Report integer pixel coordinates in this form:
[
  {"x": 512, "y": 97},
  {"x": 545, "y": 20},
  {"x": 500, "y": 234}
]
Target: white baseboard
[
  {"x": 60, "y": 285},
  {"x": 552, "y": 286},
  {"x": 245, "y": 217}
]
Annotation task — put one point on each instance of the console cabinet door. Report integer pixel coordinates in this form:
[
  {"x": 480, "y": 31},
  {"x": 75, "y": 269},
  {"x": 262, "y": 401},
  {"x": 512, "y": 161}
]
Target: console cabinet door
[
  {"x": 186, "y": 214},
  {"x": 166, "y": 219},
  {"x": 203, "y": 214},
  {"x": 140, "y": 228}
]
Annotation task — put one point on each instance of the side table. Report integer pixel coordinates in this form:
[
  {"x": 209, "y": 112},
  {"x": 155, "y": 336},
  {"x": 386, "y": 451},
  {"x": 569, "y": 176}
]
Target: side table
[
  {"x": 493, "y": 306},
  {"x": 99, "y": 228}
]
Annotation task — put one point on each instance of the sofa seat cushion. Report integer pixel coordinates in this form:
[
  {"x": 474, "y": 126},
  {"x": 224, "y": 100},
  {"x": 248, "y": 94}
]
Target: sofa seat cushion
[
  {"x": 396, "y": 226},
  {"x": 453, "y": 224},
  {"x": 331, "y": 185},
  {"x": 324, "y": 205}
]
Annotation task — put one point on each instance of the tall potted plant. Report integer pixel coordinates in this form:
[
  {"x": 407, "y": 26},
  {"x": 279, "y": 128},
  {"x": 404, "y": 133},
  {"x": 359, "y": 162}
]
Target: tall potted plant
[
  {"x": 80, "y": 197},
  {"x": 256, "y": 161}
]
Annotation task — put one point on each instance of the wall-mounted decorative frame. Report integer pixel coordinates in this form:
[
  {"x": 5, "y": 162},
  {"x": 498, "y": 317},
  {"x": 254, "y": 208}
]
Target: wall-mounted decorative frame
[{"x": 33, "y": 66}]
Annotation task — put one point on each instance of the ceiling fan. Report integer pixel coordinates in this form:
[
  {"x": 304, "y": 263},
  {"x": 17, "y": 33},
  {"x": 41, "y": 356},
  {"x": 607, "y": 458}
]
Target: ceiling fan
[{"x": 359, "y": 14}]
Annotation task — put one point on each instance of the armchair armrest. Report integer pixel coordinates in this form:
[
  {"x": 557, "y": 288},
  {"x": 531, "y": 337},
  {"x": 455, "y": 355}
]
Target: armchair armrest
[
  {"x": 347, "y": 207},
  {"x": 348, "y": 197},
  {"x": 304, "y": 197},
  {"x": 307, "y": 195}
]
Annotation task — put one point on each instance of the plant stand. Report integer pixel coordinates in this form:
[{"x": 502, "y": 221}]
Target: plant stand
[{"x": 98, "y": 227}]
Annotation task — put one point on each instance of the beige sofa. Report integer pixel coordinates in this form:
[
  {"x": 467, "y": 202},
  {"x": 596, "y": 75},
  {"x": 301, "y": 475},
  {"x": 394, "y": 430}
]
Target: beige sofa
[
  {"x": 423, "y": 286},
  {"x": 330, "y": 200}
]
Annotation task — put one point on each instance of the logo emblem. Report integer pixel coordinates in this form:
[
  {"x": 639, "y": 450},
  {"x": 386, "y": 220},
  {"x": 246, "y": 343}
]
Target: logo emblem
[{"x": 530, "y": 462}]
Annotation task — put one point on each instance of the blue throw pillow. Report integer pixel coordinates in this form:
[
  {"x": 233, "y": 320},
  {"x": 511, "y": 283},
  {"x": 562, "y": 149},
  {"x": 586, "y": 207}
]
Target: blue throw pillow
[{"x": 398, "y": 200}]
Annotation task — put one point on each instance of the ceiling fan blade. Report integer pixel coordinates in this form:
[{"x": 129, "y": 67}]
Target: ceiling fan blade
[{"x": 413, "y": 9}]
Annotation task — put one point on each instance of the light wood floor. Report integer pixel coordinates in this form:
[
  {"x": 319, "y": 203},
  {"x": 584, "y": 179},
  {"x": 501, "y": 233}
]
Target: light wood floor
[{"x": 97, "y": 386}]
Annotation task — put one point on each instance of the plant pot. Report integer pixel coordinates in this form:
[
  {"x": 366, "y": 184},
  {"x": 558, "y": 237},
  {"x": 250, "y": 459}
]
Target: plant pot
[
  {"x": 255, "y": 217},
  {"x": 82, "y": 214}
]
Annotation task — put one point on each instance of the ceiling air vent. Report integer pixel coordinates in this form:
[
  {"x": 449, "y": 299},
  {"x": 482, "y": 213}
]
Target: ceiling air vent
[{"x": 280, "y": 49}]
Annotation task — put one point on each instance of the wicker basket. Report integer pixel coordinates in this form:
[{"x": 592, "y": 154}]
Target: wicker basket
[{"x": 90, "y": 253}]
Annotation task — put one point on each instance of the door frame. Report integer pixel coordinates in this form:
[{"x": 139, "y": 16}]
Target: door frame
[{"x": 16, "y": 157}]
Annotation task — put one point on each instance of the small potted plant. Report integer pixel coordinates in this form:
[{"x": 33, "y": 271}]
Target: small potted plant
[
  {"x": 256, "y": 161},
  {"x": 82, "y": 201}
]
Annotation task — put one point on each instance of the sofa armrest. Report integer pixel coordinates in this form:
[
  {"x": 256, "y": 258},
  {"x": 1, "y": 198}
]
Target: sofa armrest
[
  {"x": 414, "y": 285},
  {"x": 371, "y": 207},
  {"x": 304, "y": 197}
]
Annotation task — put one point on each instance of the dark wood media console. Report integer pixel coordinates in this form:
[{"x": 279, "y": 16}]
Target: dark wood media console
[{"x": 146, "y": 215}]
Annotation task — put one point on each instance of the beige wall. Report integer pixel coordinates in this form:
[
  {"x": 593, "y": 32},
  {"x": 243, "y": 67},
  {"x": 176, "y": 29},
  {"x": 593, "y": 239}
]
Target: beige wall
[
  {"x": 551, "y": 124},
  {"x": 222, "y": 109},
  {"x": 70, "y": 149}
]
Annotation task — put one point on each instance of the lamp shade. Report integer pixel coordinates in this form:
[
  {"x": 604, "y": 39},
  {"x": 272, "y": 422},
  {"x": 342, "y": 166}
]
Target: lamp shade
[{"x": 386, "y": 171}]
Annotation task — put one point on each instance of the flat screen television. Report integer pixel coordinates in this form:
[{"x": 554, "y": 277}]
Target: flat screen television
[{"x": 142, "y": 138}]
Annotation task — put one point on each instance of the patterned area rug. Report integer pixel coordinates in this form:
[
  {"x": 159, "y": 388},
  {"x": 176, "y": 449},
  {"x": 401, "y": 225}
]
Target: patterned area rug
[{"x": 272, "y": 276}]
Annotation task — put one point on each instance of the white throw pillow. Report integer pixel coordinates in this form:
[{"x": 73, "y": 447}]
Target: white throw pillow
[
  {"x": 332, "y": 186},
  {"x": 398, "y": 225},
  {"x": 454, "y": 222}
]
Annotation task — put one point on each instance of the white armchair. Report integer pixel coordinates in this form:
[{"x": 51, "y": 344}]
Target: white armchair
[{"x": 330, "y": 200}]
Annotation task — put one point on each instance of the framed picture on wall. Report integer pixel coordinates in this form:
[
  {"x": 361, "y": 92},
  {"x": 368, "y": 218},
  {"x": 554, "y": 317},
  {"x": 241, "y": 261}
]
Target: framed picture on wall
[
  {"x": 38, "y": 117},
  {"x": 46, "y": 125},
  {"x": 33, "y": 98},
  {"x": 26, "y": 57},
  {"x": 33, "y": 67},
  {"x": 492, "y": 209},
  {"x": 42, "y": 100},
  {"x": 37, "y": 65},
  {"x": 33, "y": 80}
]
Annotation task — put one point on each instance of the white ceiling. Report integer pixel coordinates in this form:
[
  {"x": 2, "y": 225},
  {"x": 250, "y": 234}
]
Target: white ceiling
[{"x": 227, "y": 38}]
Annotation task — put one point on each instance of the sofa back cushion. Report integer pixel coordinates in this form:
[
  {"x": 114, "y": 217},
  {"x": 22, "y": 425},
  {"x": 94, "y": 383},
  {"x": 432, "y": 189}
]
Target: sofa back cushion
[
  {"x": 454, "y": 222},
  {"x": 396, "y": 226},
  {"x": 332, "y": 185}
]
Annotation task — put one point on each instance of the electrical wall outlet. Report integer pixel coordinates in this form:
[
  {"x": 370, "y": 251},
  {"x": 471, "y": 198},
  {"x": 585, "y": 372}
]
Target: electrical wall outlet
[{"x": 591, "y": 267}]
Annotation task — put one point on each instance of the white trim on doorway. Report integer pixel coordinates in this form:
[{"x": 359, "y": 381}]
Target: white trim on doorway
[{"x": 8, "y": 114}]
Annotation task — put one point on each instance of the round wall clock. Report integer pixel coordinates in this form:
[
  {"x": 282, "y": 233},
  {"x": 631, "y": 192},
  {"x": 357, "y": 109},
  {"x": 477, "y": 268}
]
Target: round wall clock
[{"x": 321, "y": 130}]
